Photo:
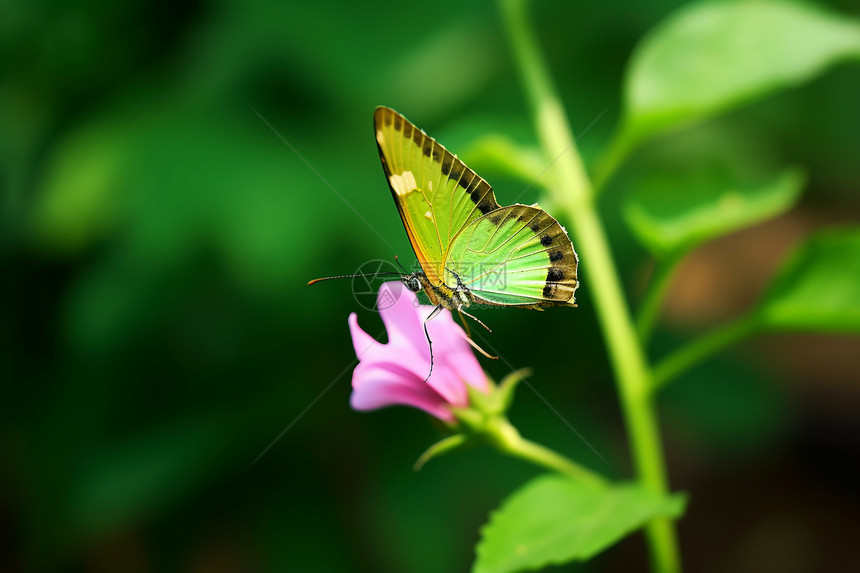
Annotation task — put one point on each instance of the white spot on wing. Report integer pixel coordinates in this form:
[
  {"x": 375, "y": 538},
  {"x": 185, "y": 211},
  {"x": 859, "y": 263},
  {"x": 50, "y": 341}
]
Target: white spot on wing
[
  {"x": 430, "y": 185},
  {"x": 429, "y": 215},
  {"x": 404, "y": 183},
  {"x": 380, "y": 137}
]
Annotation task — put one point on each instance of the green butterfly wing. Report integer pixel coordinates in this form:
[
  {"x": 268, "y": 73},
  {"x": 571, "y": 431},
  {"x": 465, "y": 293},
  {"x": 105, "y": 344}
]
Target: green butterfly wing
[
  {"x": 517, "y": 255},
  {"x": 436, "y": 194}
]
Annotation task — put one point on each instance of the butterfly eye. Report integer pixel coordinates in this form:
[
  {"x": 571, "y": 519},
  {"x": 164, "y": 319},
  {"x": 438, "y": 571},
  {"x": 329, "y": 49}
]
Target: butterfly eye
[{"x": 414, "y": 284}]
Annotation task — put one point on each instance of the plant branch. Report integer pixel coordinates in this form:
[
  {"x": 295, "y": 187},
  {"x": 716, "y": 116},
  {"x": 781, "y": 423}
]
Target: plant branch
[
  {"x": 649, "y": 309},
  {"x": 508, "y": 440}
]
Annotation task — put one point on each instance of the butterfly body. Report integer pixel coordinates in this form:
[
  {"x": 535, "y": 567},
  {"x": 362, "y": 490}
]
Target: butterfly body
[
  {"x": 472, "y": 251},
  {"x": 440, "y": 294},
  {"x": 456, "y": 297}
]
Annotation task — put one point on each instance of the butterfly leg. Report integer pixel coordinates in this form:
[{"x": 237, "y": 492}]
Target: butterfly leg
[
  {"x": 430, "y": 317},
  {"x": 468, "y": 336},
  {"x": 465, "y": 324},
  {"x": 475, "y": 318}
]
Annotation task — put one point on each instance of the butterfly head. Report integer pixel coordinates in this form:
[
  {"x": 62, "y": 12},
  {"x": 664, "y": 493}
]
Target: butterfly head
[{"x": 412, "y": 282}]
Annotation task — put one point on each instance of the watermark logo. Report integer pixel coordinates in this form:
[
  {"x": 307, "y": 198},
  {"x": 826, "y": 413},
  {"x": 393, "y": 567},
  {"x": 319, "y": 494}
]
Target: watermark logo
[
  {"x": 490, "y": 276},
  {"x": 477, "y": 276},
  {"x": 365, "y": 288}
]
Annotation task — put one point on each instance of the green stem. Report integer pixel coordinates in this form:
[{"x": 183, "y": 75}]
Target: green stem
[
  {"x": 573, "y": 193},
  {"x": 702, "y": 348},
  {"x": 508, "y": 440},
  {"x": 649, "y": 310}
]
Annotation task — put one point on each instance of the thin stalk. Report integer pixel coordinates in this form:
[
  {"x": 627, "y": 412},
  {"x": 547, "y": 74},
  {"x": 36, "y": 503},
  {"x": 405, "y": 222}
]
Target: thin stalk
[
  {"x": 649, "y": 309},
  {"x": 573, "y": 193},
  {"x": 701, "y": 349},
  {"x": 508, "y": 440}
]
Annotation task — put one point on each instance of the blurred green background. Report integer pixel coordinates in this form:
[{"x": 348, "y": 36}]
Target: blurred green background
[{"x": 158, "y": 333}]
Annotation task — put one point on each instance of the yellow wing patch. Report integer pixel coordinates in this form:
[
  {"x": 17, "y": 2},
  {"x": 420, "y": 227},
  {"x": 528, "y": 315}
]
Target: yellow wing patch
[{"x": 404, "y": 183}]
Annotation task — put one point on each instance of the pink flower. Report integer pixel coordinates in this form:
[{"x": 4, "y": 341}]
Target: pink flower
[{"x": 394, "y": 373}]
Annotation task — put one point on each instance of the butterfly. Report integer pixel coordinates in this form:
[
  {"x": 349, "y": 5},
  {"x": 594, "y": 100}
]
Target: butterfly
[{"x": 472, "y": 251}]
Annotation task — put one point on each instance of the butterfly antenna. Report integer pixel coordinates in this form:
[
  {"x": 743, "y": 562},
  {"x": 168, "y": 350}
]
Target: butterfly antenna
[
  {"x": 380, "y": 274},
  {"x": 399, "y": 264}
]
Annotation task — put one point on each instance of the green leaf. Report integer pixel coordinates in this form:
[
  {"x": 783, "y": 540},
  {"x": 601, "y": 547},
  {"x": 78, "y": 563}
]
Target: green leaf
[
  {"x": 553, "y": 519},
  {"x": 819, "y": 286},
  {"x": 673, "y": 212},
  {"x": 712, "y": 56}
]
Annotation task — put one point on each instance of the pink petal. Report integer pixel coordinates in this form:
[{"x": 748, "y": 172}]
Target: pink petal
[
  {"x": 398, "y": 352},
  {"x": 377, "y": 387},
  {"x": 453, "y": 360},
  {"x": 400, "y": 313},
  {"x": 361, "y": 341}
]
